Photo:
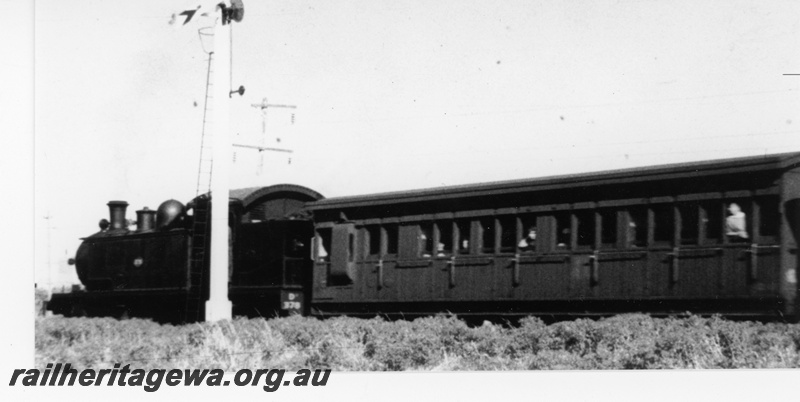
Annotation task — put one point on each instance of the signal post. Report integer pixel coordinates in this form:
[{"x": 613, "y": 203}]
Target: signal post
[{"x": 218, "y": 306}]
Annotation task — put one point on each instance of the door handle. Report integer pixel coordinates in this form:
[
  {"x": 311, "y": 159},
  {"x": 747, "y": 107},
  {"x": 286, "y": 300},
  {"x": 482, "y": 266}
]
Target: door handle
[
  {"x": 451, "y": 272},
  {"x": 515, "y": 271},
  {"x": 594, "y": 268},
  {"x": 379, "y": 269}
]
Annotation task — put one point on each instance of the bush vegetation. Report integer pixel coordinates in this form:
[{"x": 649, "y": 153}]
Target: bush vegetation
[{"x": 632, "y": 341}]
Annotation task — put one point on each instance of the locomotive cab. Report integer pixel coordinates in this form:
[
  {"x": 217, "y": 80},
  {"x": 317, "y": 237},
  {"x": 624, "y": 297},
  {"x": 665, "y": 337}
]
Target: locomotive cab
[{"x": 272, "y": 266}]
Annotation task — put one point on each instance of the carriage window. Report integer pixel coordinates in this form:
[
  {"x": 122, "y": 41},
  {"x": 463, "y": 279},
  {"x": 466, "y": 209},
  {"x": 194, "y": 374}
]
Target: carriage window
[
  {"x": 690, "y": 219},
  {"x": 487, "y": 235},
  {"x": 425, "y": 239},
  {"x": 769, "y": 216},
  {"x": 445, "y": 241},
  {"x": 508, "y": 234},
  {"x": 712, "y": 221},
  {"x": 391, "y": 238},
  {"x": 463, "y": 236},
  {"x": 563, "y": 231},
  {"x": 527, "y": 241},
  {"x": 585, "y": 228},
  {"x": 608, "y": 225},
  {"x": 323, "y": 244},
  {"x": 664, "y": 222},
  {"x": 374, "y": 239},
  {"x": 636, "y": 235},
  {"x": 737, "y": 221},
  {"x": 351, "y": 243}
]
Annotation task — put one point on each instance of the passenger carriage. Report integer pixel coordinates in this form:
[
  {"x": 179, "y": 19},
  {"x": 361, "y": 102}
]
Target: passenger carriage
[{"x": 658, "y": 239}]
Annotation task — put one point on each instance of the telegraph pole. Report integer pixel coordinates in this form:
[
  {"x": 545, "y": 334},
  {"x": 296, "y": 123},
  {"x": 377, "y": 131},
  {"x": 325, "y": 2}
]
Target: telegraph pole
[{"x": 263, "y": 106}]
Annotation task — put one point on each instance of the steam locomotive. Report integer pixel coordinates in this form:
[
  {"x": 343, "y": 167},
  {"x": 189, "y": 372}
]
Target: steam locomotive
[
  {"x": 713, "y": 237},
  {"x": 160, "y": 270}
]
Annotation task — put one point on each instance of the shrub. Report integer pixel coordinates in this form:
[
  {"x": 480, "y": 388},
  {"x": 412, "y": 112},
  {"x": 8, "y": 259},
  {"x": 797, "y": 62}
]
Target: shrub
[{"x": 631, "y": 341}]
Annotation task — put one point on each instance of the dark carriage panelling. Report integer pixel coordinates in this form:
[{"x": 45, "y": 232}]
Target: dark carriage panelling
[
  {"x": 620, "y": 275},
  {"x": 639, "y": 237},
  {"x": 467, "y": 278},
  {"x": 541, "y": 277}
]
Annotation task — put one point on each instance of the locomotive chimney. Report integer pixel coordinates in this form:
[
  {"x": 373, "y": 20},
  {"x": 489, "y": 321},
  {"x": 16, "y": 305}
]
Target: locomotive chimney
[
  {"x": 145, "y": 219},
  {"x": 117, "y": 211}
]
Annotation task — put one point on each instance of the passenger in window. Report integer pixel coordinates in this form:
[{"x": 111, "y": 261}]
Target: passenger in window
[
  {"x": 423, "y": 241},
  {"x": 322, "y": 254},
  {"x": 736, "y": 224},
  {"x": 632, "y": 234},
  {"x": 440, "y": 250},
  {"x": 563, "y": 238},
  {"x": 528, "y": 243}
]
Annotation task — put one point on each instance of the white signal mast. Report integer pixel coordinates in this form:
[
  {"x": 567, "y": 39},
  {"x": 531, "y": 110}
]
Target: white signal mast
[{"x": 219, "y": 306}]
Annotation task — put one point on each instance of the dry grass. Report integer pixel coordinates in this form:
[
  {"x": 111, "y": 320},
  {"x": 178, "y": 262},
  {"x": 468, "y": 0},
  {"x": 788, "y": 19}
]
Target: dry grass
[{"x": 439, "y": 343}]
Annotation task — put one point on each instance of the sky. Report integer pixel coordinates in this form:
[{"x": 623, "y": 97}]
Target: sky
[{"x": 396, "y": 95}]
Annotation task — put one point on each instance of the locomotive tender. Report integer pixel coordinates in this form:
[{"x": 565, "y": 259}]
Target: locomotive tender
[{"x": 706, "y": 237}]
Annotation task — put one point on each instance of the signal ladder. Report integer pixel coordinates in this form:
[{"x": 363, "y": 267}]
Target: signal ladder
[
  {"x": 206, "y": 156},
  {"x": 197, "y": 289}
]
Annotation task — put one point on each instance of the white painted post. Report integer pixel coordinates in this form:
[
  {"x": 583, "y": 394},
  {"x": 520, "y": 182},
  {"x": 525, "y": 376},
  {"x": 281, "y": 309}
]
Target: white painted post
[{"x": 218, "y": 306}]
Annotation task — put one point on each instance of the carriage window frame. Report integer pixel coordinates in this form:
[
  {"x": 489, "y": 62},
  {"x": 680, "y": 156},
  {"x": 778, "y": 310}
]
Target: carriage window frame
[
  {"x": 637, "y": 226},
  {"x": 561, "y": 237},
  {"x": 390, "y": 235},
  {"x": 487, "y": 227},
  {"x": 425, "y": 234},
  {"x": 769, "y": 219},
  {"x": 506, "y": 232},
  {"x": 351, "y": 247},
  {"x": 463, "y": 237},
  {"x": 443, "y": 235},
  {"x": 661, "y": 222},
  {"x": 525, "y": 223},
  {"x": 689, "y": 219},
  {"x": 711, "y": 221},
  {"x": 373, "y": 241},
  {"x": 585, "y": 237},
  {"x": 608, "y": 219}
]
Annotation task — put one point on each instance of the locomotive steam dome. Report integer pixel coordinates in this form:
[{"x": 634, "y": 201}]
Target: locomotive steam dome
[{"x": 168, "y": 212}]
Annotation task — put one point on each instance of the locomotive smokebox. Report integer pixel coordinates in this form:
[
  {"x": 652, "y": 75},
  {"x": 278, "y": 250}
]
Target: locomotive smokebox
[
  {"x": 145, "y": 219},
  {"x": 168, "y": 212},
  {"x": 117, "y": 211}
]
